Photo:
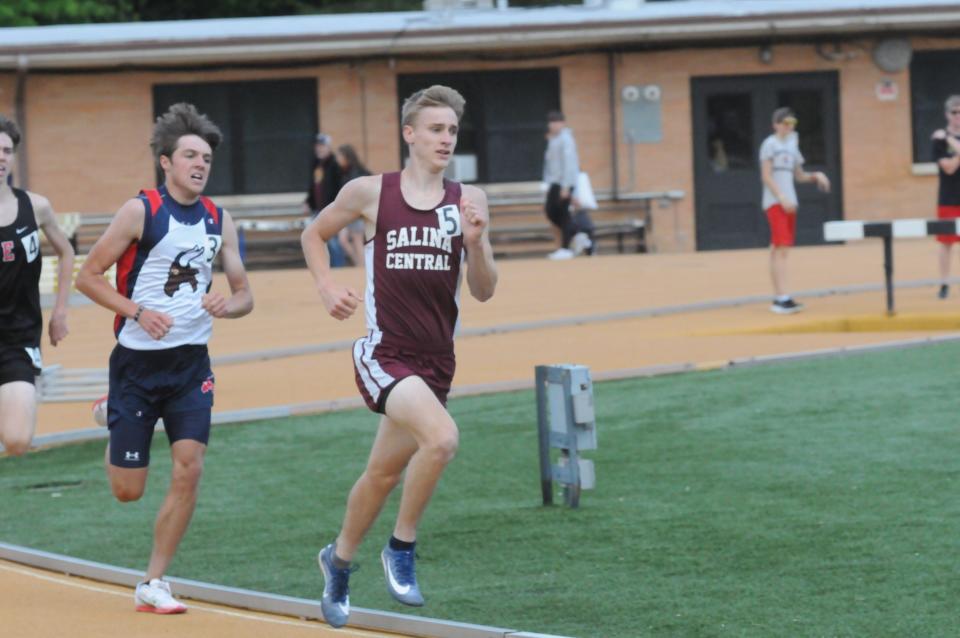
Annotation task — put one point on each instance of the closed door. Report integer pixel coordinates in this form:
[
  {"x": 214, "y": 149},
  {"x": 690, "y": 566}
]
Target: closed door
[{"x": 731, "y": 118}]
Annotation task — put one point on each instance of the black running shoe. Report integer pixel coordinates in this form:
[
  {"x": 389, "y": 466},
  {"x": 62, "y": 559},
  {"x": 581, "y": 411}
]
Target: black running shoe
[{"x": 787, "y": 307}]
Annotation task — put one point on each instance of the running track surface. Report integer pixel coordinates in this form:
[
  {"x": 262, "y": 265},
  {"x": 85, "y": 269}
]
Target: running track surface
[{"x": 288, "y": 312}]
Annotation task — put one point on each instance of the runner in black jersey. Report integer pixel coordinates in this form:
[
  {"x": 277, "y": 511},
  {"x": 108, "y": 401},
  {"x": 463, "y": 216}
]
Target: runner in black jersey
[
  {"x": 422, "y": 233},
  {"x": 22, "y": 215}
]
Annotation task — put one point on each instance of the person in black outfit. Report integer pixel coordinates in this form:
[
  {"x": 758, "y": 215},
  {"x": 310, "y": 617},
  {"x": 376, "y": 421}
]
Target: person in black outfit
[
  {"x": 946, "y": 153},
  {"x": 326, "y": 180},
  {"x": 352, "y": 237},
  {"x": 22, "y": 215}
]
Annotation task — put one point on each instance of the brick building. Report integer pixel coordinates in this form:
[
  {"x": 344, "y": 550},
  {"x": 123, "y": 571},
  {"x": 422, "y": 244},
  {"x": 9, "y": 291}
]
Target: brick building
[{"x": 661, "y": 96}]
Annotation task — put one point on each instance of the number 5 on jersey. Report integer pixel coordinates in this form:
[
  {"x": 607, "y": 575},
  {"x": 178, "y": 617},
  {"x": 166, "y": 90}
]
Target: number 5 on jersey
[{"x": 449, "y": 219}]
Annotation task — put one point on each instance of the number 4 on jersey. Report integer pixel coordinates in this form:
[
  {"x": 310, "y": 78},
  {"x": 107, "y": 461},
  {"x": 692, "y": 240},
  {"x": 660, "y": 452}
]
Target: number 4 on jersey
[{"x": 31, "y": 246}]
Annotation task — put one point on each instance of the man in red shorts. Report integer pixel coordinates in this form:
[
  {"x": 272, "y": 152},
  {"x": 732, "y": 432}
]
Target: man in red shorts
[
  {"x": 781, "y": 164},
  {"x": 421, "y": 232},
  {"x": 946, "y": 153}
]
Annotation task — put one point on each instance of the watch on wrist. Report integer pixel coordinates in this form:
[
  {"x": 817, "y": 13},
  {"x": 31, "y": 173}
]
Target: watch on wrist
[{"x": 136, "y": 315}]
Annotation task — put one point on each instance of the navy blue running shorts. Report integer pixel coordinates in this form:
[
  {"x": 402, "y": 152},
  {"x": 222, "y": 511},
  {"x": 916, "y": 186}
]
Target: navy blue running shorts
[{"x": 145, "y": 385}]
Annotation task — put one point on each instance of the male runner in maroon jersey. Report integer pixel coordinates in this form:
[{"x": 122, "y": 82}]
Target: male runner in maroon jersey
[{"x": 420, "y": 229}]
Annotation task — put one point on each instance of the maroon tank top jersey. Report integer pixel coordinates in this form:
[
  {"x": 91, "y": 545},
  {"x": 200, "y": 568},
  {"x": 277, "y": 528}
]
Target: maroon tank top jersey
[
  {"x": 413, "y": 270},
  {"x": 412, "y": 296}
]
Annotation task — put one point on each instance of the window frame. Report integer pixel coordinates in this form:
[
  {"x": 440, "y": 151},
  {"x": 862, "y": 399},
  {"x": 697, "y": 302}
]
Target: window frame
[
  {"x": 301, "y": 92},
  {"x": 479, "y": 119}
]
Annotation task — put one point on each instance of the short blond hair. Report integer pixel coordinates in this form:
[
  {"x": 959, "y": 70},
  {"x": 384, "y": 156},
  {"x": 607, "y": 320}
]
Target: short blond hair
[
  {"x": 952, "y": 102},
  {"x": 436, "y": 95}
]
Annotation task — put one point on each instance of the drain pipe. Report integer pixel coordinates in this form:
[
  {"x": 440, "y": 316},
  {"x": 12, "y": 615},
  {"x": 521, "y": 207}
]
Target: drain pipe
[
  {"x": 20, "y": 117},
  {"x": 612, "y": 81}
]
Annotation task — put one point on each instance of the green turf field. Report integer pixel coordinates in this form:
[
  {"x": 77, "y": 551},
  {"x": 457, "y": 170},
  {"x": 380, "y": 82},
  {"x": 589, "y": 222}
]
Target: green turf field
[{"x": 805, "y": 499}]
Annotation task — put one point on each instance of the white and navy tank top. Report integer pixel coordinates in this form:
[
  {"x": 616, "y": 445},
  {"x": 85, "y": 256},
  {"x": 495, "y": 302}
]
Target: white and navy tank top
[
  {"x": 413, "y": 266},
  {"x": 170, "y": 269}
]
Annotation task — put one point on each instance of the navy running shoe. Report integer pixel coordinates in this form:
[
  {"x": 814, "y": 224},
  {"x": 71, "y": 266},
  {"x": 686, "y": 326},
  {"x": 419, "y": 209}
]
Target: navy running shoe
[
  {"x": 335, "y": 603},
  {"x": 401, "y": 575}
]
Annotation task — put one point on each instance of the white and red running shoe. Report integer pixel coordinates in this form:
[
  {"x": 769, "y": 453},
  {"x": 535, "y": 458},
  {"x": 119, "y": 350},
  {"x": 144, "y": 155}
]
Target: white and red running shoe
[
  {"x": 100, "y": 411},
  {"x": 155, "y": 597}
]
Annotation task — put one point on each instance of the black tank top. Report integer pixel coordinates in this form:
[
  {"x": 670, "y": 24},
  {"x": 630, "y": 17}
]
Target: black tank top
[{"x": 21, "y": 321}]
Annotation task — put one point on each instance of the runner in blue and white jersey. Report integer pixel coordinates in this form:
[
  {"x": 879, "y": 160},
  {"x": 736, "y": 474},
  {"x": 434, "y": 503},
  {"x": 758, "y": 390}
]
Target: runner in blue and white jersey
[{"x": 164, "y": 242}]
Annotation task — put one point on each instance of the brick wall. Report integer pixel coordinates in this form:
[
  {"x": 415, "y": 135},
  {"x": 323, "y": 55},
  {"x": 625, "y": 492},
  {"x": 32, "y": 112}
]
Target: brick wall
[
  {"x": 8, "y": 87},
  {"x": 876, "y": 154},
  {"x": 87, "y": 133}
]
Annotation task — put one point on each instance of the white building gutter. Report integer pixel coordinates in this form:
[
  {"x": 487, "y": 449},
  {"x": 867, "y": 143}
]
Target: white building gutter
[{"x": 426, "y": 35}]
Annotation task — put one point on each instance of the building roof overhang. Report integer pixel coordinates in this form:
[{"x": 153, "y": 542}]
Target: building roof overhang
[{"x": 557, "y": 29}]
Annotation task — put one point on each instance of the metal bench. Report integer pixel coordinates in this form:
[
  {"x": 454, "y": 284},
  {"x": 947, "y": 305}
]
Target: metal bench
[
  {"x": 64, "y": 385},
  {"x": 533, "y": 239},
  {"x": 51, "y": 264},
  {"x": 519, "y": 227}
]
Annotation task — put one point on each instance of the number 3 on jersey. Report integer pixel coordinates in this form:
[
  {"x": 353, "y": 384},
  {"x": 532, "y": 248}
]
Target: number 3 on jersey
[
  {"x": 213, "y": 247},
  {"x": 449, "y": 218}
]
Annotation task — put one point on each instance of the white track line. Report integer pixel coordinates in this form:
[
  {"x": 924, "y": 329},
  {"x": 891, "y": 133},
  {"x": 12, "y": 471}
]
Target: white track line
[{"x": 71, "y": 582}]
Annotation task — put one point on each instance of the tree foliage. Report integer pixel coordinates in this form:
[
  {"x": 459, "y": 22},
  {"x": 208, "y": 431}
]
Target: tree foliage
[
  {"x": 20, "y": 13},
  {"x": 24, "y": 13},
  {"x": 17, "y": 13}
]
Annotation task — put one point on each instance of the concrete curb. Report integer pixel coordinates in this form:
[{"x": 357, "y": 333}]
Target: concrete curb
[{"x": 260, "y": 601}]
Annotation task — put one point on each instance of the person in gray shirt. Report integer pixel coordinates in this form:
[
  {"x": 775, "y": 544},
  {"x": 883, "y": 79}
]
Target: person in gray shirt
[
  {"x": 561, "y": 166},
  {"x": 781, "y": 165}
]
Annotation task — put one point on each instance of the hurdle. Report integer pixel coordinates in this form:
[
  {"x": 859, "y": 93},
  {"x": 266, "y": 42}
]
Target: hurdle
[{"x": 887, "y": 230}]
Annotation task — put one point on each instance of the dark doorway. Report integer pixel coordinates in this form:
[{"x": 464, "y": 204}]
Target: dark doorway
[{"x": 731, "y": 118}]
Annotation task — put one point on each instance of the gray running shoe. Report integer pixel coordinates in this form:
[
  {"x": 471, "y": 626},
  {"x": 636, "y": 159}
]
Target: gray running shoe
[
  {"x": 335, "y": 603},
  {"x": 401, "y": 575}
]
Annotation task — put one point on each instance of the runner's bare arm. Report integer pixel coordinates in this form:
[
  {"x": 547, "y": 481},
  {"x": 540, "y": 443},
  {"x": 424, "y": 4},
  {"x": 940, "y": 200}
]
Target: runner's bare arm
[
  {"x": 357, "y": 199},
  {"x": 125, "y": 229},
  {"x": 240, "y": 302},
  {"x": 481, "y": 269},
  {"x": 57, "y": 329}
]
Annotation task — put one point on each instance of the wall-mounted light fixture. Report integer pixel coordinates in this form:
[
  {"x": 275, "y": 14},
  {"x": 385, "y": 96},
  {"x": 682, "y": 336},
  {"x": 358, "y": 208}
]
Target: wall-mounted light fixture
[{"x": 893, "y": 55}]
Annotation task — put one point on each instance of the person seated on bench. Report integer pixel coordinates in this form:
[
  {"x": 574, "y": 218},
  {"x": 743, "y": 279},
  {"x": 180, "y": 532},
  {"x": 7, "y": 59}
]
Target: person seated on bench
[{"x": 561, "y": 167}]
